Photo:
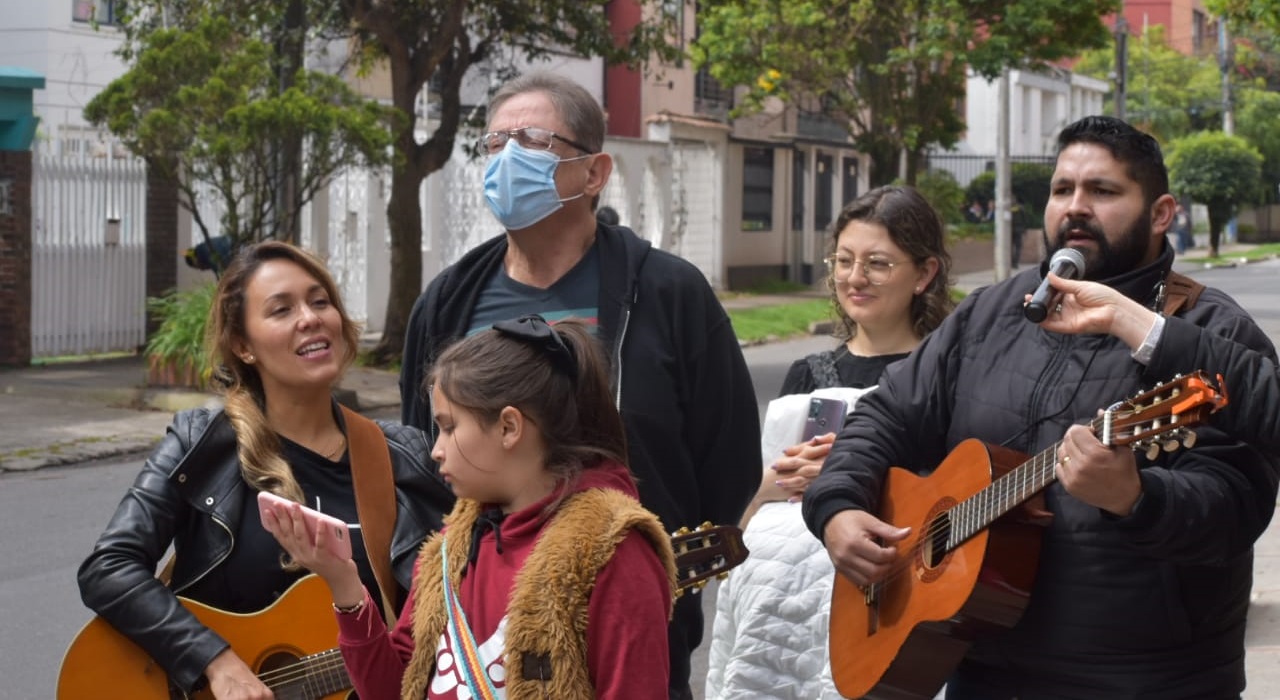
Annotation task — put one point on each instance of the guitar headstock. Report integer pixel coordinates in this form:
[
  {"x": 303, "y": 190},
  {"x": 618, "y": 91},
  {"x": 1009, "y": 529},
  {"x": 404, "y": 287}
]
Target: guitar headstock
[
  {"x": 707, "y": 552},
  {"x": 1161, "y": 417}
]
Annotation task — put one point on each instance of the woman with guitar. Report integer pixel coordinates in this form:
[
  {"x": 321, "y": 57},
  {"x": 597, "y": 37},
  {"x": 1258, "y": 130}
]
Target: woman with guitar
[
  {"x": 279, "y": 339},
  {"x": 1018, "y": 512},
  {"x": 888, "y": 273},
  {"x": 549, "y": 580}
]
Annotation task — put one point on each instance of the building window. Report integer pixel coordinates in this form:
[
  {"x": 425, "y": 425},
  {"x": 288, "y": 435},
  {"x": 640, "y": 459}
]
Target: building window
[
  {"x": 757, "y": 189},
  {"x": 797, "y": 191},
  {"x": 825, "y": 190},
  {"x": 849, "y": 187},
  {"x": 100, "y": 11},
  {"x": 1199, "y": 25}
]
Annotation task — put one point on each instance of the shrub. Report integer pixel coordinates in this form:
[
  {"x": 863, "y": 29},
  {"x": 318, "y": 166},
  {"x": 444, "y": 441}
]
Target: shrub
[{"x": 176, "y": 351}]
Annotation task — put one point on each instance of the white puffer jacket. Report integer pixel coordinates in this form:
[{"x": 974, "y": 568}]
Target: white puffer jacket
[{"x": 769, "y": 638}]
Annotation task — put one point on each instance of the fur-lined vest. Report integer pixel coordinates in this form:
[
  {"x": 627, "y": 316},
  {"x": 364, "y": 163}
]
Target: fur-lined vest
[{"x": 548, "y": 611}]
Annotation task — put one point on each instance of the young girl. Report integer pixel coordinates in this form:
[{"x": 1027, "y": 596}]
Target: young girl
[{"x": 549, "y": 580}]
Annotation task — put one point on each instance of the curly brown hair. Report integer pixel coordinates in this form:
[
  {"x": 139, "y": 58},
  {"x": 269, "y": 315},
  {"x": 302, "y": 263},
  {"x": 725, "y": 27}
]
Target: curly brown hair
[{"x": 916, "y": 228}]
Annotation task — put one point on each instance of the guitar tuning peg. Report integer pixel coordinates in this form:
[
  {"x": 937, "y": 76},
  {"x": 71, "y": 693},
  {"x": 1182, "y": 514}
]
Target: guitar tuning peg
[
  {"x": 1153, "y": 451},
  {"x": 1171, "y": 445},
  {"x": 722, "y": 575},
  {"x": 706, "y": 525},
  {"x": 1189, "y": 439},
  {"x": 682, "y": 531}
]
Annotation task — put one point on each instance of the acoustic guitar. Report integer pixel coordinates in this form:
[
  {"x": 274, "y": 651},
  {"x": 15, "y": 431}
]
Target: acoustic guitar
[
  {"x": 969, "y": 563},
  {"x": 290, "y": 643}
]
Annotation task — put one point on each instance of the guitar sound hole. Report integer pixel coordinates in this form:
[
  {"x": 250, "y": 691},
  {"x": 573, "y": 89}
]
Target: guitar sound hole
[{"x": 934, "y": 547}]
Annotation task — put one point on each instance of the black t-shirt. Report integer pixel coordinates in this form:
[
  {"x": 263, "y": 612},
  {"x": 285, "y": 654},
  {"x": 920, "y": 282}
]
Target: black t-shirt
[
  {"x": 251, "y": 578},
  {"x": 855, "y": 371}
]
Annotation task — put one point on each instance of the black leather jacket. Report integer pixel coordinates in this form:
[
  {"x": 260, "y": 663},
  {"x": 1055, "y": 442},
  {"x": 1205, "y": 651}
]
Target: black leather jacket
[{"x": 190, "y": 493}]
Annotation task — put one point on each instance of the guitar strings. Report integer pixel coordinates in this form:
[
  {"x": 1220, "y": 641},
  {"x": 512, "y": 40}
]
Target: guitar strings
[
  {"x": 322, "y": 663},
  {"x": 1020, "y": 479},
  {"x": 1042, "y": 469}
]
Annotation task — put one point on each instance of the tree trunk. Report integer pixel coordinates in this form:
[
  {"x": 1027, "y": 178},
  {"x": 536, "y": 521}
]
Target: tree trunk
[
  {"x": 404, "y": 214},
  {"x": 1218, "y": 217}
]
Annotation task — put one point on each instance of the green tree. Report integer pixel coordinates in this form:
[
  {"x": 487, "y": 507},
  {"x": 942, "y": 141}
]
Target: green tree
[
  {"x": 1260, "y": 13},
  {"x": 1169, "y": 94},
  {"x": 1218, "y": 170},
  {"x": 892, "y": 71},
  {"x": 1256, "y": 123},
  {"x": 441, "y": 42},
  {"x": 203, "y": 105}
]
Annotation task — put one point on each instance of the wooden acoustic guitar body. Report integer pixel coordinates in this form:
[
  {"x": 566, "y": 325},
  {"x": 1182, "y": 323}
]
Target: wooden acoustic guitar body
[{"x": 909, "y": 640}]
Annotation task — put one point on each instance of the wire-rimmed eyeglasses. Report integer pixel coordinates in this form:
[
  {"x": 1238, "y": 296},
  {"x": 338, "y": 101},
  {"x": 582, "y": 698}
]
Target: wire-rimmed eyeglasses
[
  {"x": 533, "y": 138},
  {"x": 876, "y": 269}
]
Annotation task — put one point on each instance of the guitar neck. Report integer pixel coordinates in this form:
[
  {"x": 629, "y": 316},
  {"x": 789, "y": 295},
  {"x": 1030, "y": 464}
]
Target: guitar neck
[{"x": 1002, "y": 495}]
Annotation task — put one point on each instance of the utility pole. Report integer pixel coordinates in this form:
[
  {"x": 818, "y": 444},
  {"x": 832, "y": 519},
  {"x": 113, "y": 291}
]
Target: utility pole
[
  {"x": 1003, "y": 217},
  {"x": 1225, "y": 60},
  {"x": 1122, "y": 61}
]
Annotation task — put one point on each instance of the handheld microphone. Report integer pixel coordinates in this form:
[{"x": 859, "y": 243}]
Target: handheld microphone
[{"x": 1067, "y": 263}]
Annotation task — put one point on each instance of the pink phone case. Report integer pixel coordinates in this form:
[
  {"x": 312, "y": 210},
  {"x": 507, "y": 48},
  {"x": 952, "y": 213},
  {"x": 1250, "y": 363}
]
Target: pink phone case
[{"x": 341, "y": 541}]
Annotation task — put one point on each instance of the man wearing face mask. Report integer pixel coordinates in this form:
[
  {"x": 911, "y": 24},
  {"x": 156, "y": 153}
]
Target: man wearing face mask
[{"x": 677, "y": 372}]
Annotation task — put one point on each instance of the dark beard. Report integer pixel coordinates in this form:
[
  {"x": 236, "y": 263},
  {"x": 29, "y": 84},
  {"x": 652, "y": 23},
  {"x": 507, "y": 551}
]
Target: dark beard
[{"x": 1106, "y": 261}]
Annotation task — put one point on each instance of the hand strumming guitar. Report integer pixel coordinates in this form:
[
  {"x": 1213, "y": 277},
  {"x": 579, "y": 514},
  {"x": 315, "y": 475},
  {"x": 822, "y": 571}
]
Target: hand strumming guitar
[
  {"x": 230, "y": 678},
  {"x": 861, "y": 545}
]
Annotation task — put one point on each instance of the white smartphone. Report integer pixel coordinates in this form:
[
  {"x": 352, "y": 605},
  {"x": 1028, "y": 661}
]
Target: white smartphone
[{"x": 314, "y": 519}]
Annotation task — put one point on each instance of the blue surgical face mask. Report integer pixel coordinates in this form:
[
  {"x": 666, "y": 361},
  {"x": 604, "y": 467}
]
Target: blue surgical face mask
[{"x": 520, "y": 185}]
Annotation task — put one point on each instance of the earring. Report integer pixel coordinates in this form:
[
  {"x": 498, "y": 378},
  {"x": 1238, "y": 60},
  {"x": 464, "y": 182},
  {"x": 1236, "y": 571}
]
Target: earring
[
  {"x": 248, "y": 359},
  {"x": 919, "y": 289}
]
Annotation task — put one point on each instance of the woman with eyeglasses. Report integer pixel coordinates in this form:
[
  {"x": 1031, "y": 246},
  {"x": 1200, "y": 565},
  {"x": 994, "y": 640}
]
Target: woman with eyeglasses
[{"x": 888, "y": 272}]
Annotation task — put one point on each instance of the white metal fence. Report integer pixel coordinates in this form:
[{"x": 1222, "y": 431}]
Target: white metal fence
[{"x": 88, "y": 282}]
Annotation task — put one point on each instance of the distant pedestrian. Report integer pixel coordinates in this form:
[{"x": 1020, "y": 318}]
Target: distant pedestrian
[{"x": 1182, "y": 238}]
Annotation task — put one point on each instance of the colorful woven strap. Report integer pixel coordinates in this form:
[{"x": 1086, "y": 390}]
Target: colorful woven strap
[{"x": 460, "y": 637}]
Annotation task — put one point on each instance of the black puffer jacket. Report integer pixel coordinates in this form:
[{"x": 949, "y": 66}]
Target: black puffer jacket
[
  {"x": 1148, "y": 605},
  {"x": 190, "y": 493}
]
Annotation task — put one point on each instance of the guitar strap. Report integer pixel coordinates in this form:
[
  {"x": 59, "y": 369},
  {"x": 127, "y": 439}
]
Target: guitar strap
[
  {"x": 1180, "y": 293},
  {"x": 464, "y": 642},
  {"x": 375, "y": 499}
]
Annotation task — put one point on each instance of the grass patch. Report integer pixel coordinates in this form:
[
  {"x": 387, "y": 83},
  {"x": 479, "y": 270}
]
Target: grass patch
[
  {"x": 1260, "y": 252},
  {"x": 781, "y": 321}
]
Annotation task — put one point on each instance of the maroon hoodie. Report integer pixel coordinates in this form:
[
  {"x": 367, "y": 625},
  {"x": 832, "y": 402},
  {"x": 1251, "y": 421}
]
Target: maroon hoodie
[{"x": 626, "y": 651}]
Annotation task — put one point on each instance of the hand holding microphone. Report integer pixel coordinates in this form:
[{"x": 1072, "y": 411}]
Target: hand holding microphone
[{"x": 1067, "y": 263}]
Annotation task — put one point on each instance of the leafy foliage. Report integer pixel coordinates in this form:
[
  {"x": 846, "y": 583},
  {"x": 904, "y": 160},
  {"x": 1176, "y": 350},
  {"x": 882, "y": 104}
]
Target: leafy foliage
[
  {"x": 1030, "y": 185},
  {"x": 179, "y": 343},
  {"x": 203, "y": 106},
  {"x": 1169, "y": 94},
  {"x": 1219, "y": 170},
  {"x": 944, "y": 193},
  {"x": 892, "y": 70}
]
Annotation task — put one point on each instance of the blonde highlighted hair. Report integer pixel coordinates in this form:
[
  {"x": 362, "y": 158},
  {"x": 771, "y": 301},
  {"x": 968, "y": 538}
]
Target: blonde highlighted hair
[{"x": 261, "y": 463}]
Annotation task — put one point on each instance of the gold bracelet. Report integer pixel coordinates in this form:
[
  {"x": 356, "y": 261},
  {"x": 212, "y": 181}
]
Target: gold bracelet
[{"x": 350, "y": 609}]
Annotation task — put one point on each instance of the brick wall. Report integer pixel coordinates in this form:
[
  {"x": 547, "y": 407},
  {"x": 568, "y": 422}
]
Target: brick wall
[
  {"x": 162, "y": 238},
  {"x": 15, "y": 258}
]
